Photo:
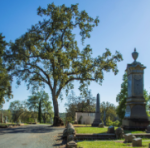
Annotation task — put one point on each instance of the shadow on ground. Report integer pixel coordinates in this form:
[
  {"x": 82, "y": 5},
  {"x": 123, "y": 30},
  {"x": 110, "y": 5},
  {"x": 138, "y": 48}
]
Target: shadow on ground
[
  {"x": 60, "y": 142},
  {"x": 30, "y": 129}
]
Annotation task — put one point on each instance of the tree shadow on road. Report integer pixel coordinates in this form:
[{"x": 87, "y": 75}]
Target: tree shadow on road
[
  {"x": 60, "y": 142},
  {"x": 30, "y": 129}
]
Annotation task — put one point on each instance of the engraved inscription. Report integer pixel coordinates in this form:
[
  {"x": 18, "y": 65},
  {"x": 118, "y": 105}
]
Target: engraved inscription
[
  {"x": 137, "y": 77},
  {"x": 138, "y": 85}
]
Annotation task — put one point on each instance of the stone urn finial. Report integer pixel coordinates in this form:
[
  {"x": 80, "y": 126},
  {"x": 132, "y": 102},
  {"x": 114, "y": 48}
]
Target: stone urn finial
[{"x": 134, "y": 55}]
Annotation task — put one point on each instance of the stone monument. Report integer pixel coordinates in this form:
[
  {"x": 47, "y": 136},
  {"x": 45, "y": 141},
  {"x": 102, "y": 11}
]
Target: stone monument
[
  {"x": 97, "y": 113},
  {"x": 135, "y": 114}
]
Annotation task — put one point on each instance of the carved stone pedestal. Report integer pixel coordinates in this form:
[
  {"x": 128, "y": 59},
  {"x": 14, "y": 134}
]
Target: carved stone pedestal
[{"x": 135, "y": 114}]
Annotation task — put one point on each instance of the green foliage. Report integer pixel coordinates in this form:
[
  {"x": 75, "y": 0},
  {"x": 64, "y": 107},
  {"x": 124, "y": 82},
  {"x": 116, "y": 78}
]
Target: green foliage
[
  {"x": 69, "y": 119},
  {"x": 111, "y": 123},
  {"x": 5, "y": 78},
  {"x": 62, "y": 116},
  {"x": 108, "y": 112},
  {"x": 33, "y": 104},
  {"x": 77, "y": 103},
  {"x": 17, "y": 110},
  {"x": 49, "y": 54},
  {"x": 121, "y": 97}
]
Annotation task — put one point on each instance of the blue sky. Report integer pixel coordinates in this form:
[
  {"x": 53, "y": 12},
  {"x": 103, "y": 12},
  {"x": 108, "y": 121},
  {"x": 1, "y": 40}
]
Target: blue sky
[{"x": 123, "y": 26}]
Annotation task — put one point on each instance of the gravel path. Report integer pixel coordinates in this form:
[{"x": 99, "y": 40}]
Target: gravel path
[{"x": 30, "y": 136}]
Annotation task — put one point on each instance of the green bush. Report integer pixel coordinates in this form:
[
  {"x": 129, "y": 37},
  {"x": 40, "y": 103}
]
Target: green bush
[{"x": 115, "y": 123}]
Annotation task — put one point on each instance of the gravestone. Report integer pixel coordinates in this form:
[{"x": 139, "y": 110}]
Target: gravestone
[
  {"x": 97, "y": 120},
  {"x": 135, "y": 114}
]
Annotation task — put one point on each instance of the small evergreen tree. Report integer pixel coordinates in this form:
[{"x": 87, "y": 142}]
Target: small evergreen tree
[{"x": 39, "y": 114}]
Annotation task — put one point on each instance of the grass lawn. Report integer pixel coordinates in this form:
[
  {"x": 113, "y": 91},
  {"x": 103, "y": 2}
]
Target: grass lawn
[
  {"x": 109, "y": 144},
  {"x": 97, "y": 130},
  {"x": 90, "y": 130}
]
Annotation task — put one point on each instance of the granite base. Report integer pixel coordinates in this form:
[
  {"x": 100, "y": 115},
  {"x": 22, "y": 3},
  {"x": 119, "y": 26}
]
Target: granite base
[{"x": 135, "y": 124}]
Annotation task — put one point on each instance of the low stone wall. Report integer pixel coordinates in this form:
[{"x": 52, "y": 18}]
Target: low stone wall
[
  {"x": 106, "y": 136},
  {"x": 70, "y": 133}
]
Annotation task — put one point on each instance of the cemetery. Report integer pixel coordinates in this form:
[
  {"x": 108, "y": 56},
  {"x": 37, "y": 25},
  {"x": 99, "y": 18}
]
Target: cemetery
[
  {"x": 50, "y": 55},
  {"x": 135, "y": 128}
]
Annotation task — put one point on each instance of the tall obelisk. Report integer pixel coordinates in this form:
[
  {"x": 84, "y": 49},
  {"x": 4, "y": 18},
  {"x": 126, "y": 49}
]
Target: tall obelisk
[{"x": 97, "y": 113}]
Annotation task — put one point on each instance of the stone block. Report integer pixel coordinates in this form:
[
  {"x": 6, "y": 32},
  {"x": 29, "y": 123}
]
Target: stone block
[
  {"x": 68, "y": 131},
  {"x": 101, "y": 124},
  {"x": 69, "y": 125},
  {"x": 70, "y": 138},
  {"x": 119, "y": 133},
  {"x": 72, "y": 144},
  {"x": 111, "y": 129},
  {"x": 129, "y": 137},
  {"x": 137, "y": 142}
]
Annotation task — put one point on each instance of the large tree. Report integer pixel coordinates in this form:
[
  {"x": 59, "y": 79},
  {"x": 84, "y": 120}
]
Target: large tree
[
  {"x": 5, "y": 79},
  {"x": 49, "y": 54}
]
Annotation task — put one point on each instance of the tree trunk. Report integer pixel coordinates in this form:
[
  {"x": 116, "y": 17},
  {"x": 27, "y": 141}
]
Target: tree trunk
[{"x": 57, "y": 120}]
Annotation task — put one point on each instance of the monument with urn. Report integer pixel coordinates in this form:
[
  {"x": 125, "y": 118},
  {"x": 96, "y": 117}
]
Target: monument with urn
[{"x": 135, "y": 114}]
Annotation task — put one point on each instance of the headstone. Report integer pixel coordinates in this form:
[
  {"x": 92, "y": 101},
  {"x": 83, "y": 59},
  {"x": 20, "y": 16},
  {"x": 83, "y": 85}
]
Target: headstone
[
  {"x": 97, "y": 120},
  {"x": 68, "y": 131},
  {"x": 111, "y": 129},
  {"x": 70, "y": 138},
  {"x": 129, "y": 137},
  {"x": 135, "y": 114},
  {"x": 119, "y": 133},
  {"x": 101, "y": 125},
  {"x": 137, "y": 142}
]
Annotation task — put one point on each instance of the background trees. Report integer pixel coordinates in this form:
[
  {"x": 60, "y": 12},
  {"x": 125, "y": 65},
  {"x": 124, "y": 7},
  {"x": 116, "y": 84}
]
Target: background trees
[
  {"x": 49, "y": 54},
  {"x": 39, "y": 102},
  {"x": 108, "y": 112},
  {"x": 17, "y": 109},
  {"x": 28, "y": 110},
  {"x": 5, "y": 79},
  {"x": 78, "y": 103}
]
